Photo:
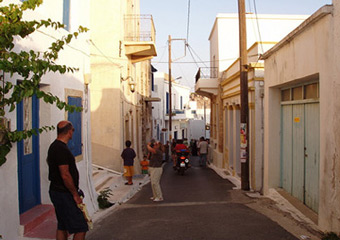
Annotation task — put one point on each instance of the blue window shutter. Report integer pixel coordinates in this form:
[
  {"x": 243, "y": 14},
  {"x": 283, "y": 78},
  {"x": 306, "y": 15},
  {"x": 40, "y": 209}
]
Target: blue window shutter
[
  {"x": 75, "y": 144},
  {"x": 167, "y": 103},
  {"x": 152, "y": 82},
  {"x": 66, "y": 14}
]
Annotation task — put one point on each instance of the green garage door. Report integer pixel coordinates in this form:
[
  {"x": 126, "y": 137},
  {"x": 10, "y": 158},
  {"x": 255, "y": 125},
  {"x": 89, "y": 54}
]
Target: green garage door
[{"x": 300, "y": 150}]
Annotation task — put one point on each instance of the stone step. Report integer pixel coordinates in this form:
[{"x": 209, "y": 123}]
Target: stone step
[{"x": 33, "y": 220}]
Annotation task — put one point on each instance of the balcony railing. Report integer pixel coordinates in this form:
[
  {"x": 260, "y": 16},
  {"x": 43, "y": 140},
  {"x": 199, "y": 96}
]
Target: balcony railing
[
  {"x": 206, "y": 72},
  {"x": 175, "y": 112},
  {"x": 139, "y": 28}
]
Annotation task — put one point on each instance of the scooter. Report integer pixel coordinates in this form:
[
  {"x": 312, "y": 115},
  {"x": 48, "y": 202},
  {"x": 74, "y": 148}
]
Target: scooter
[{"x": 183, "y": 162}]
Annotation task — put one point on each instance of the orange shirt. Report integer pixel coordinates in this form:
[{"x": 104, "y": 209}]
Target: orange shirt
[{"x": 144, "y": 164}]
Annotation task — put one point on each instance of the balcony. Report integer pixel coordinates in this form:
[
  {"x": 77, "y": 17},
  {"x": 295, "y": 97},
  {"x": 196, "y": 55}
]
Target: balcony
[
  {"x": 177, "y": 114},
  {"x": 139, "y": 38},
  {"x": 207, "y": 81}
]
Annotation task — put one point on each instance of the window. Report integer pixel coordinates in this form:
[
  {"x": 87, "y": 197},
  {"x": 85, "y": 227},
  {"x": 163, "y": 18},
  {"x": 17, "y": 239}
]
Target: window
[
  {"x": 152, "y": 82},
  {"x": 303, "y": 92},
  {"x": 311, "y": 91},
  {"x": 285, "y": 95},
  {"x": 297, "y": 93},
  {"x": 181, "y": 102},
  {"x": 75, "y": 144},
  {"x": 167, "y": 103},
  {"x": 66, "y": 14}
]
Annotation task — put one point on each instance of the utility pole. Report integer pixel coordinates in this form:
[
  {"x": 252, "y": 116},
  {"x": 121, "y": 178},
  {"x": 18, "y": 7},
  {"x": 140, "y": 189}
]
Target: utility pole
[
  {"x": 170, "y": 83},
  {"x": 244, "y": 128},
  {"x": 170, "y": 93}
]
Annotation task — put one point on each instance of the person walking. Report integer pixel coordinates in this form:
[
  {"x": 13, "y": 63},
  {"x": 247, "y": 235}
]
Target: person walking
[
  {"x": 128, "y": 156},
  {"x": 167, "y": 150},
  {"x": 64, "y": 187},
  {"x": 173, "y": 152},
  {"x": 145, "y": 165},
  {"x": 203, "y": 151},
  {"x": 156, "y": 170}
]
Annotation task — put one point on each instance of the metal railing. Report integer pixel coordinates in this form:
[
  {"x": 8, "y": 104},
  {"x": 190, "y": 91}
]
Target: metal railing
[
  {"x": 175, "y": 112},
  {"x": 139, "y": 28},
  {"x": 206, "y": 72}
]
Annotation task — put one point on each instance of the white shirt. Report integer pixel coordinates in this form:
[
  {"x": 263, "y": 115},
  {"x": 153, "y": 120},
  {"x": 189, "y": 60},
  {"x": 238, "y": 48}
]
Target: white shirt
[{"x": 203, "y": 146}]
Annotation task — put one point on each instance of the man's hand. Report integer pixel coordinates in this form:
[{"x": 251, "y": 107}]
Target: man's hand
[{"x": 77, "y": 199}]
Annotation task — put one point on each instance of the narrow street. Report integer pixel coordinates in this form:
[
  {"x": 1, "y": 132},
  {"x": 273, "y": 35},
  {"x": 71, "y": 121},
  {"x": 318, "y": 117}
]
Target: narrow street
[{"x": 198, "y": 205}]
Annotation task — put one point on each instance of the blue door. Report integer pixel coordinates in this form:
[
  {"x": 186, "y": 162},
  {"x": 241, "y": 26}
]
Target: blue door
[
  {"x": 75, "y": 144},
  {"x": 28, "y": 155}
]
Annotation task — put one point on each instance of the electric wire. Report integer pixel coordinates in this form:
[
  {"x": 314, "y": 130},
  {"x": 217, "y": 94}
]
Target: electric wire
[
  {"x": 203, "y": 62},
  {"x": 193, "y": 58},
  {"x": 197, "y": 55},
  {"x": 249, "y": 1},
  {"x": 258, "y": 26},
  {"x": 162, "y": 55},
  {"x": 69, "y": 45},
  {"x": 103, "y": 54},
  {"x": 188, "y": 22},
  {"x": 181, "y": 70}
]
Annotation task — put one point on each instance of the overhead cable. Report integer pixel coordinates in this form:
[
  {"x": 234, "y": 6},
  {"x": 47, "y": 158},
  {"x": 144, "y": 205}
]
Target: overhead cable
[
  {"x": 258, "y": 26},
  {"x": 188, "y": 21}
]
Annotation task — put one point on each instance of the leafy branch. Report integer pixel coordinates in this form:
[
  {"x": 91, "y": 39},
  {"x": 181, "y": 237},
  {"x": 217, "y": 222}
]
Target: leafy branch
[{"x": 29, "y": 65}]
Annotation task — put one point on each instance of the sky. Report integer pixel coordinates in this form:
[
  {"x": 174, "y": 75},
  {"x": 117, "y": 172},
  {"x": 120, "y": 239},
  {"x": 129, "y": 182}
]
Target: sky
[{"x": 173, "y": 18}]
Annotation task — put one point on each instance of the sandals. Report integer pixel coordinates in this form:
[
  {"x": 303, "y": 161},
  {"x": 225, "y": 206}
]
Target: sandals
[{"x": 128, "y": 183}]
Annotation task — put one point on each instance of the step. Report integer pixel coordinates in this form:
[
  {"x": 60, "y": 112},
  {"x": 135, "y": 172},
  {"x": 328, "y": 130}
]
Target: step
[
  {"x": 46, "y": 230},
  {"x": 35, "y": 218}
]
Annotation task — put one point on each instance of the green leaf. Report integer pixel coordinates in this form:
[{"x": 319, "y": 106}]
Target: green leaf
[{"x": 12, "y": 108}]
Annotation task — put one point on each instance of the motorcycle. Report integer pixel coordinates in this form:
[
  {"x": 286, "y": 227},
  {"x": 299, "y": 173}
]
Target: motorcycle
[{"x": 183, "y": 162}]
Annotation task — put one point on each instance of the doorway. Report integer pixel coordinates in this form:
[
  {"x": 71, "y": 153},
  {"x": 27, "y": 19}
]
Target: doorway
[{"x": 28, "y": 155}]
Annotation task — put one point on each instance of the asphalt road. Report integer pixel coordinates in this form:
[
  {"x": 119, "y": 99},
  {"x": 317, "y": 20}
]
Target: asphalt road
[{"x": 197, "y": 206}]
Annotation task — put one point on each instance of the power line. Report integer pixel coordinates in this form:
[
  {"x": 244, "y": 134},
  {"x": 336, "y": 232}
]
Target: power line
[
  {"x": 258, "y": 26},
  {"x": 193, "y": 56},
  {"x": 184, "y": 77},
  {"x": 249, "y": 5},
  {"x": 188, "y": 22},
  {"x": 203, "y": 62},
  {"x": 190, "y": 48},
  {"x": 162, "y": 55},
  {"x": 103, "y": 54}
]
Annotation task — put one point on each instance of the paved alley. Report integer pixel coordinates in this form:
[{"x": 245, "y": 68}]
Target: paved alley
[{"x": 198, "y": 205}]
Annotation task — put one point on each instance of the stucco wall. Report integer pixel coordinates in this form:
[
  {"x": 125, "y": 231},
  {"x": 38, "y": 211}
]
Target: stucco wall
[
  {"x": 308, "y": 53},
  {"x": 225, "y": 44},
  {"x": 329, "y": 216},
  {"x": 75, "y": 55}
]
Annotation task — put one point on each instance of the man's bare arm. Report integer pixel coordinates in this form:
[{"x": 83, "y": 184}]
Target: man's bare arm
[{"x": 68, "y": 182}]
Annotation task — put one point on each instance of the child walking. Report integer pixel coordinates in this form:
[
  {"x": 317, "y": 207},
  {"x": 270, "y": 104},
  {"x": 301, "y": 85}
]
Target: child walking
[
  {"x": 145, "y": 165},
  {"x": 128, "y": 156}
]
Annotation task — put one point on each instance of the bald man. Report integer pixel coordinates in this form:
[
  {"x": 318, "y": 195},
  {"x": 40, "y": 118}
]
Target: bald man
[{"x": 64, "y": 177}]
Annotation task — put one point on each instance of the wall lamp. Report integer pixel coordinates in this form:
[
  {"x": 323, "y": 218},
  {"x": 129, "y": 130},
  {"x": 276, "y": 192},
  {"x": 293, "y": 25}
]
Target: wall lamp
[{"x": 131, "y": 83}]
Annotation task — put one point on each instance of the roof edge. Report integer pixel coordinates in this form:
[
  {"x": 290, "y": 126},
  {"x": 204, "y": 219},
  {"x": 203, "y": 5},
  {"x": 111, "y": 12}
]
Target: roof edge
[{"x": 323, "y": 11}]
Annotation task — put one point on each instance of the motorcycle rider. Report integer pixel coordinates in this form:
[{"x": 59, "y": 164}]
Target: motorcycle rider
[{"x": 179, "y": 146}]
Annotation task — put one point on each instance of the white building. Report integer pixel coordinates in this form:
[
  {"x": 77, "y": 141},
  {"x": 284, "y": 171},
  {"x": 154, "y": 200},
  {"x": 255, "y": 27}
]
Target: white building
[
  {"x": 24, "y": 191},
  {"x": 221, "y": 83},
  {"x": 123, "y": 44},
  {"x": 160, "y": 111},
  {"x": 301, "y": 141}
]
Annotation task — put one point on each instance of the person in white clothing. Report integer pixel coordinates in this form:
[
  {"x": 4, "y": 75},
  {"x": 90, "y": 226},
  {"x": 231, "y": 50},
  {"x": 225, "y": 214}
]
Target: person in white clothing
[{"x": 203, "y": 151}]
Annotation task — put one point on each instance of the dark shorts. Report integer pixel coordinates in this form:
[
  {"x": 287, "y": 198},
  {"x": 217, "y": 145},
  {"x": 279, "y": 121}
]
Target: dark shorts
[{"x": 69, "y": 216}]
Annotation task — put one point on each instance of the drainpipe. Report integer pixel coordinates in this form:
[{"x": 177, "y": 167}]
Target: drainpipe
[{"x": 262, "y": 134}]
